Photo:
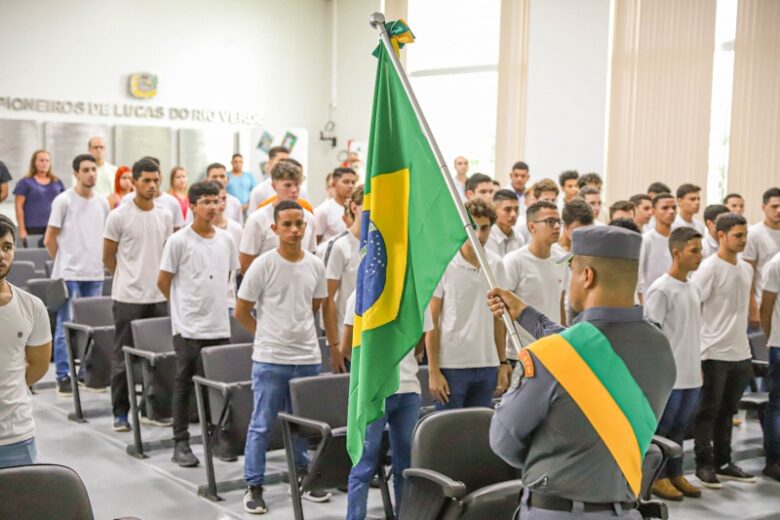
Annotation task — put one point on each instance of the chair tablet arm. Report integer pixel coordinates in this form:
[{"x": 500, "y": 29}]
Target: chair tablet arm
[
  {"x": 320, "y": 427},
  {"x": 670, "y": 449},
  {"x": 450, "y": 488}
]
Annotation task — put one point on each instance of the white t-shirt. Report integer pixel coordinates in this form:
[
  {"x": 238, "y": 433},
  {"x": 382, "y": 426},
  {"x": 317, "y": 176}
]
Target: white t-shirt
[
  {"x": 329, "y": 219},
  {"x": 104, "y": 185},
  {"x": 233, "y": 209},
  {"x": 724, "y": 290},
  {"x": 695, "y": 224},
  {"x": 343, "y": 265},
  {"x": 466, "y": 324},
  {"x": 283, "y": 292},
  {"x": 141, "y": 236},
  {"x": 23, "y": 321},
  {"x": 762, "y": 245},
  {"x": 80, "y": 241},
  {"x": 410, "y": 384},
  {"x": 259, "y": 238},
  {"x": 538, "y": 281},
  {"x": 709, "y": 245},
  {"x": 235, "y": 230},
  {"x": 201, "y": 270},
  {"x": 502, "y": 244},
  {"x": 676, "y": 307},
  {"x": 264, "y": 190},
  {"x": 771, "y": 278},
  {"x": 167, "y": 201},
  {"x": 654, "y": 259}
]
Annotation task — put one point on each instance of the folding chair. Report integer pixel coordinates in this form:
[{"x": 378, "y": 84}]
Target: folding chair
[
  {"x": 37, "y": 255},
  {"x": 238, "y": 334},
  {"x": 90, "y": 341},
  {"x": 319, "y": 412},
  {"x": 21, "y": 272},
  {"x": 756, "y": 401},
  {"x": 53, "y": 293},
  {"x": 658, "y": 454}
]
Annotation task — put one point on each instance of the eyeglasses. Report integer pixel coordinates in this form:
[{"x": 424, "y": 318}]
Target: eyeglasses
[{"x": 550, "y": 221}]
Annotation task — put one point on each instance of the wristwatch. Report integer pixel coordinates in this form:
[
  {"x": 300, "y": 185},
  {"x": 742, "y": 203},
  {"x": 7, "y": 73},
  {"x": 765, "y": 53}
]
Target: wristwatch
[{"x": 505, "y": 362}]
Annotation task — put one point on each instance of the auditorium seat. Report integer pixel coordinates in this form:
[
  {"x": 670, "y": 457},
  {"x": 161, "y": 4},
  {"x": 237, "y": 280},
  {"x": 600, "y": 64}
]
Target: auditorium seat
[
  {"x": 37, "y": 255},
  {"x": 53, "y": 293},
  {"x": 756, "y": 401},
  {"x": 319, "y": 412},
  {"x": 659, "y": 452},
  {"x": 238, "y": 334},
  {"x": 21, "y": 272}
]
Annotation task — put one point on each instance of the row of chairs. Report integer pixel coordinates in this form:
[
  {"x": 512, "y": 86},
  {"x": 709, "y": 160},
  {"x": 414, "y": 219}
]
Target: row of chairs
[{"x": 31, "y": 242}]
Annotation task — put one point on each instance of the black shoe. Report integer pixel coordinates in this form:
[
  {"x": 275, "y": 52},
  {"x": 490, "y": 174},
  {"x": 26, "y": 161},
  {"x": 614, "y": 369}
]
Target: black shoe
[
  {"x": 772, "y": 471},
  {"x": 734, "y": 472},
  {"x": 64, "y": 388},
  {"x": 708, "y": 478},
  {"x": 253, "y": 500},
  {"x": 121, "y": 424},
  {"x": 183, "y": 456}
]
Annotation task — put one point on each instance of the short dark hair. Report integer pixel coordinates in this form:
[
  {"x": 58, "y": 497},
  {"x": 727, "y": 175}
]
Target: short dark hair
[
  {"x": 621, "y": 205},
  {"x": 658, "y": 187},
  {"x": 478, "y": 207},
  {"x": 587, "y": 190},
  {"x": 284, "y": 206},
  {"x": 7, "y": 226},
  {"x": 687, "y": 188},
  {"x": 661, "y": 196},
  {"x": 340, "y": 171},
  {"x": 589, "y": 178},
  {"x": 501, "y": 195},
  {"x": 154, "y": 159},
  {"x": 276, "y": 150},
  {"x": 203, "y": 189},
  {"x": 236, "y": 155},
  {"x": 732, "y": 196},
  {"x": 713, "y": 211},
  {"x": 568, "y": 175},
  {"x": 538, "y": 206},
  {"x": 625, "y": 223},
  {"x": 681, "y": 236},
  {"x": 727, "y": 221},
  {"x": 638, "y": 198},
  {"x": 144, "y": 165},
  {"x": 770, "y": 193},
  {"x": 577, "y": 210},
  {"x": 214, "y": 166},
  {"x": 520, "y": 165},
  {"x": 80, "y": 158},
  {"x": 545, "y": 185},
  {"x": 475, "y": 180}
]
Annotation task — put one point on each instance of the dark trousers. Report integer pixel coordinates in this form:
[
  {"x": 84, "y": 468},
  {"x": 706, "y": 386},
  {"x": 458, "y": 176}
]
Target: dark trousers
[
  {"x": 674, "y": 423},
  {"x": 188, "y": 364},
  {"x": 724, "y": 384},
  {"x": 124, "y": 314}
]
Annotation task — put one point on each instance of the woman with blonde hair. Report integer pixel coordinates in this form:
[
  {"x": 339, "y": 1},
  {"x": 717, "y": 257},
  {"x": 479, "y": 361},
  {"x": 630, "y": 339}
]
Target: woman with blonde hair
[
  {"x": 123, "y": 184},
  {"x": 179, "y": 186},
  {"x": 34, "y": 195}
]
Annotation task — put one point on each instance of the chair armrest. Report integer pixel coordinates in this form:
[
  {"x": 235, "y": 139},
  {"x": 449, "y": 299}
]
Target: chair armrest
[
  {"x": 670, "y": 449},
  {"x": 222, "y": 387},
  {"x": 450, "y": 488},
  {"x": 510, "y": 489},
  {"x": 152, "y": 357},
  {"x": 321, "y": 427},
  {"x": 104, "y": 328},
  {"x": 79, "y": 327}
]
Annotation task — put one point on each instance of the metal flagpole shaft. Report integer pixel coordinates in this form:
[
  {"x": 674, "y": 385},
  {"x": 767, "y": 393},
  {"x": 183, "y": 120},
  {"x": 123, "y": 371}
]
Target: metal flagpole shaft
[{"x": 377, "y": 21}]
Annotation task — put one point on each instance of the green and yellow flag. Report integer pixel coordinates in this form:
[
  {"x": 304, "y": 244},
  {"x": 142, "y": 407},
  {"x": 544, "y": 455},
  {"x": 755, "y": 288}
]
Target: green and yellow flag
[{"x": 410, "y": 232}]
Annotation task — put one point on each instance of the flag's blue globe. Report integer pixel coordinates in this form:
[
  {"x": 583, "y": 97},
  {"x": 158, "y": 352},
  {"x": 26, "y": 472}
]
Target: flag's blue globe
[{"x": 372, "y": 272}]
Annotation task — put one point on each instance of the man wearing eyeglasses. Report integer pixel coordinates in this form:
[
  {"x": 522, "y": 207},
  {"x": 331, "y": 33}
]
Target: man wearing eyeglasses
[{"x": 532, "y": 271}]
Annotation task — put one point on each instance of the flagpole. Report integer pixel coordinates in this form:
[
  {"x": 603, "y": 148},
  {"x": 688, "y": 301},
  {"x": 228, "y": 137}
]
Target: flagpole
[{"x": 377, "y": 21}]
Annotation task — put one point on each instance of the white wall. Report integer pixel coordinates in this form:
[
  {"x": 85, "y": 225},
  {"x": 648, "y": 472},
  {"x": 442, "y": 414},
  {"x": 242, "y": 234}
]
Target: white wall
[
  {"x": 272, "y": 57},
  {"x": 568, "y": 58}
]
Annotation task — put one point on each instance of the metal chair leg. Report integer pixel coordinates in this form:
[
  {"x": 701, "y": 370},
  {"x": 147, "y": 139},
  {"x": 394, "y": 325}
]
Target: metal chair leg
[
  {"x": 137, "y": 450},
  {"x": 205, "y": 428}
]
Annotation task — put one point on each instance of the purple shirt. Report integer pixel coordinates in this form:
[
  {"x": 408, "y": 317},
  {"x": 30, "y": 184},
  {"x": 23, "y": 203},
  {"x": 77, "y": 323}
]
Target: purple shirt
[{"x": 39, "y": 197}]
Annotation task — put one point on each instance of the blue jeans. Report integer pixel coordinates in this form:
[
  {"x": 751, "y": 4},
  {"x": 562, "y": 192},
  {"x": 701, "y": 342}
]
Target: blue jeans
[
  {"x": 18, "y": 454},
  {"x": 772, "y": 417},
  {"x": 271, "y": 389},
  {"x": 674, "y": 423},
  {"x": 401, "y": 414},
  {"x": 76, "y": 289},
  {"x": 469, "y": 387}
]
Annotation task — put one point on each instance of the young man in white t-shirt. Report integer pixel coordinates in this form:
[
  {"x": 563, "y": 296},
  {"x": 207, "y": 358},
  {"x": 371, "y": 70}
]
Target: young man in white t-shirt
[
  {"x": 763, "y": 244},
  {"x": 654, "y": 257},
  {"x": 688, "y": 205},
  {"x": 593, "y": 197},
  {"x": 341, "y": 272},
  {"x": 235, "y": 231},
  {"x": 466, "y": 349},
  {"x": 263, "y": 190},
  {"x": 216, "y": 172},
  {"x": 532, "y": 272},
  {"x": 643, "y": 210},
  {"x": 258, "y": 237},
  {"x": 329, "y": 216},
  {"x": 25, "y": 350},
  {"x": 709, "y": 243},
  {"x": 770, "y": 321},
  {"x": 724, "y": 282},
  {"x": 286, "y": 286},
  {"x": 402, "y": 410},
  {"x": 674, "y": 304},
  {"x": 735, "y": 203},
  {"x": 73, "y": 239},
  {"x": 133, "y": 242},
  {"x": 194, "y": 273},
  {"x": 503, "y": 237}
]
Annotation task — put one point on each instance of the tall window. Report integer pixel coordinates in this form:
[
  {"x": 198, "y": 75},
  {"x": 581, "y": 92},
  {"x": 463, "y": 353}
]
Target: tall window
[
  {"x": 453, "y": 68},
  {"x": 722, "y": 87}
]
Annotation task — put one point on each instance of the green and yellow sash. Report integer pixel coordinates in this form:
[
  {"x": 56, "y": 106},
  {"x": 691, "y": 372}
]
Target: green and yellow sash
[{"x": 582, "y": 360}]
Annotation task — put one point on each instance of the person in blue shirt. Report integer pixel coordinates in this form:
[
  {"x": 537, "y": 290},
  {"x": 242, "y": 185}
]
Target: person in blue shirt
[{"x": 240, "y": 183}]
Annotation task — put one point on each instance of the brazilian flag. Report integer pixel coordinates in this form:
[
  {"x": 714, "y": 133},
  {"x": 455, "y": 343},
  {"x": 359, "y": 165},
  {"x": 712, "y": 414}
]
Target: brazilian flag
[{"x": 410, "y": 232}]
